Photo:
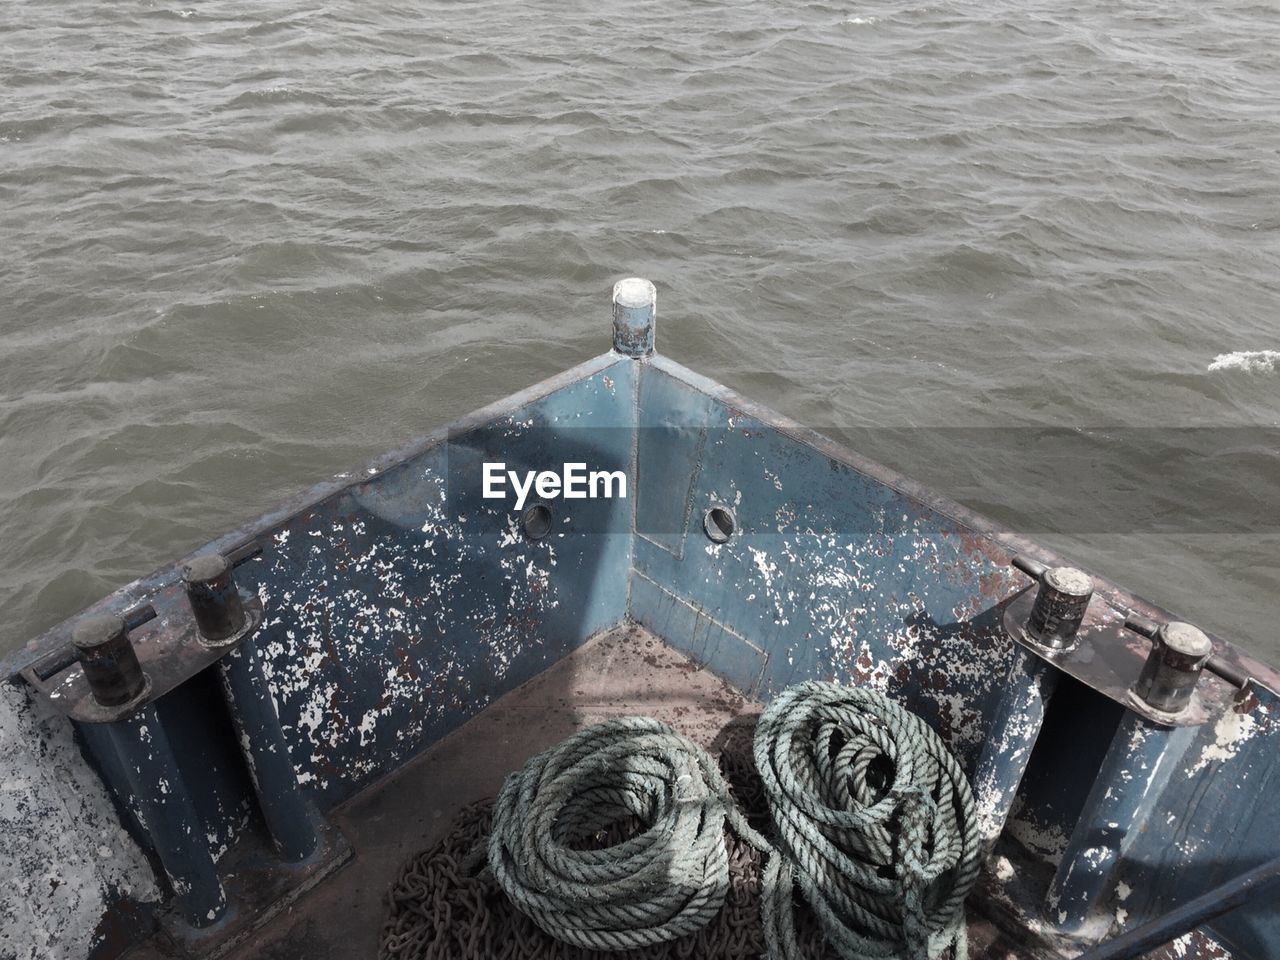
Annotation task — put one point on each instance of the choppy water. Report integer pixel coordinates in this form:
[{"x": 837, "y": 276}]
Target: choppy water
[{"x": 246, "y": 245}]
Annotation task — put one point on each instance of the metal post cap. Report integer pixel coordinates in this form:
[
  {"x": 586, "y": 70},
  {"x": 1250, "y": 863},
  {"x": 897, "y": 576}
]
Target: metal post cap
[
  {"x": 93, "y": 632},
  {"x": 1179, "y": 653},
  {"x": 206, "y": 567},
  {"x": 214, "y": 598},
  {"x": 635, "y": 292},
  {"x": 108, "y": 659},
  {"x": 1069, "y": 580},
  {"x": 1059, "y": 606},
  {"x": 1186, "y": 639},
  {"x": 635, "y": 307}
]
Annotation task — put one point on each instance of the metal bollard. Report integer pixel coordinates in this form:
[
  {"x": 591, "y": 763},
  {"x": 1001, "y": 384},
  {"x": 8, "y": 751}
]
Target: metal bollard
[
  {"x": 215, "y": 601},
  {"x": 1060, "y": 604},
  {"x": 108, "y": 659},
  {"x": 635, "y": 311},
  {"x": 1179, "y": 654}
]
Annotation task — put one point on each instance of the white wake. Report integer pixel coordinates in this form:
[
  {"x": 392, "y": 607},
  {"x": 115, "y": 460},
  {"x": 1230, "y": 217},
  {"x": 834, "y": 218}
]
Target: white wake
[{"x": 1264, "y": 361}]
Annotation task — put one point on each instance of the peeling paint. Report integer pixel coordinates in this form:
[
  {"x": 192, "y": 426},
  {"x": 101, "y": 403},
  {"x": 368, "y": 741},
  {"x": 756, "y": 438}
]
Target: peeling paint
[
  {"x": 1047, "y": 841},
  {"x": 1231, "y": 730},
  {"x": 405, "y": 606}
]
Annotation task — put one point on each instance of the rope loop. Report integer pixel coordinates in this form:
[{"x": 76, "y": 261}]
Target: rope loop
[
  {"x": 669, "y": 874},
  {"x": 875, "y": 821}
]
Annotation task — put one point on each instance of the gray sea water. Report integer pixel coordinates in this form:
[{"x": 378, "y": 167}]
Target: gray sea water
[{"x": 246, "y": 245}]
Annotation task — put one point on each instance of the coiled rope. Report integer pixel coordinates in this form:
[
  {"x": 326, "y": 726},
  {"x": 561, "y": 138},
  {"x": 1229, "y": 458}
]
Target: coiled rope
[
  {"x": 441, "y": 906},
  {"x": 615, "y": 842},
  {"x": 875, "y": 820},
  {"x": 669, "y": 878}
]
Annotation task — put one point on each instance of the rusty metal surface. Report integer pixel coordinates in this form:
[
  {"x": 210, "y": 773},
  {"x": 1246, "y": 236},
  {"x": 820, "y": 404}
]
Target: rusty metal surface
[
  {"x": 830, "y": 574},
  {"x": 144, "y": 588},
  {"x": 406, "y": 604},
  {"x": 1108, "y": 658},
  {"x": 988, "y": 538},
  {"x": 169, "y": 649}
]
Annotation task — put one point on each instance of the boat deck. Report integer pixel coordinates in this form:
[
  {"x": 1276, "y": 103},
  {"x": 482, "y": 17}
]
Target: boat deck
[{"x": 625, "y": 671}]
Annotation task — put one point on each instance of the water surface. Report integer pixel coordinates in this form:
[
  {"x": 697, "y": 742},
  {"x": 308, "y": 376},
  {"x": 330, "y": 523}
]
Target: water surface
[{"x": 247, "y": 245}]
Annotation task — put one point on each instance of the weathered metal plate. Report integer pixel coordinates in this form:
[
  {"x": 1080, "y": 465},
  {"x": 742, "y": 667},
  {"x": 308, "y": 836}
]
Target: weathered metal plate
[
  {"x": 829, "y": 573},
  {"x": 169, "y": 650},
  {"x": 1107, "y": 657}
]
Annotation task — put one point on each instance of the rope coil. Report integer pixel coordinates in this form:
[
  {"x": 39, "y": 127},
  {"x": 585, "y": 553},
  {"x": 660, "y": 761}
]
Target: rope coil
[
  {"x": 668, "y": 879},
  {"x": 615, "y": 840},
  {"x": 875, "y": 820}
]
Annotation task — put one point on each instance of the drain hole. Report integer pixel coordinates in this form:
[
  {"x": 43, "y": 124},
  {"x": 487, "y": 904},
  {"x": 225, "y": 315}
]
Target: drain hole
[
  {"x": 536, "y": 521},
  {"x": 719, "y": 524}
]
